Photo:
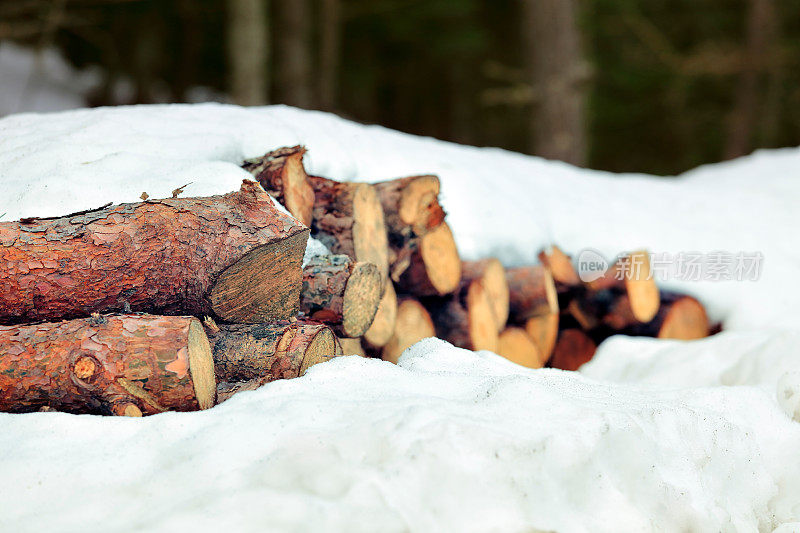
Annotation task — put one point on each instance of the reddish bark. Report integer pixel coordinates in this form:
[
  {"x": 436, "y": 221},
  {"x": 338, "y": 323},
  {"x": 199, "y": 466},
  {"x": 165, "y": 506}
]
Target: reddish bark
[
  {"x": 532, "y": 292},
  {"x": 282, "y": 174},
  {"x": 234, "y": 255},
  {"x": 116, "y": 364}
]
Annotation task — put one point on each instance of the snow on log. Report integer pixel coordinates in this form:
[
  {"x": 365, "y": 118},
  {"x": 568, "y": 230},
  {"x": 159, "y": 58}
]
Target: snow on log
[
  {"x": 116, "y": 364},
  {"x": 413, "y": 324},
  {"x": 573, "y": 349},
  {"x": 341, "y": 293},
  {"x": 266, "y": 352},
  {"x": 543, "y": 330},
  {"x": 411, "y": 209},
  {"x": 282, "y": 174},
  {"x": 348, "y": 219},
  {"x": 517, "y": 346},
  {"x": 382, "y": 326},
  {"x": 532, "y": 292},
  {"x": 235, "y": 256},
  {"x": 434, "y": 267},
  {"x": 467, "y": 317}
]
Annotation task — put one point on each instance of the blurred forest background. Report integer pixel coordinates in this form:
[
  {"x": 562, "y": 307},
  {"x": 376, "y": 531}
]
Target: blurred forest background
[{"x": 656, "y": 86}]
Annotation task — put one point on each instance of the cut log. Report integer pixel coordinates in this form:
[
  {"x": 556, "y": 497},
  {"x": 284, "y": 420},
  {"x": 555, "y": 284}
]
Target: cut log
[
  {"x": 341, "y": 293},
  {"x": 352, "y": 347},
  {"x": 632, "y": 275},
  {"x": 532, "y": 293},
  {"x": 411, "y": 205},
  {"x": 679, "y": 317},
  {"x": 491, "y": 274},
  {"x": 466, "y": 318},
  {"x": 236, "y": 256},
  {"x": 282, "y": 174},
  {"x": 434, "y": 267},
  {"x": 266, "y": 352},
  {"x": 565, "y": 277},
  {"x": 543, "y": 330},
  {"x": 117, "y": 364},
  {"x": 382, "y": 326},
  {"x": 348, "y": 219},
  {"x": 517, "y": 346},
  {"x": 573, "y": 349},
  {"x": 413, "y": 324},
  {"x": 411, "y": 208}
]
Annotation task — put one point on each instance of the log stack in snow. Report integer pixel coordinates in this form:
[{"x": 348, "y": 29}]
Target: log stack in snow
[{"x": 394, "y": 277}]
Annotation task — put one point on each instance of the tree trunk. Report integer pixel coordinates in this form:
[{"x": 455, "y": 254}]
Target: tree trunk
[
  {"x": 383, "y": 324},
  {"x": 517, "y": 346},
  {"x": 341, "y": 293},
  {"x": 413, "y": 324},
  {"x": 116, "y": 364},
  {"x": 235, "y": 256},
  {"x": 348, "y": 219},
  {"x": 248, "y": 51},
  {"x": 434, "y": 268},
  {"x": 293, "y": 53},
  {"x": 761, "y": 32},
  {"x": 266, "y": 352},
  {"x": 329, "y": 49},
  {"x": 680, "y": 317},
  {"x": 557, "y": 73},
  {"x": 282, "y": 174}
]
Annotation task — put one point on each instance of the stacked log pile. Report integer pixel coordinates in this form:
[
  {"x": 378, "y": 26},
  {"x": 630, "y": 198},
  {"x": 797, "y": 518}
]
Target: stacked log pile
[{"x": 179, "y": 303}]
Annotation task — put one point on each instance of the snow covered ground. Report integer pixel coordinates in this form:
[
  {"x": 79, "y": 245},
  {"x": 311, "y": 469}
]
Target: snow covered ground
[{"x": 650, "y": 436}]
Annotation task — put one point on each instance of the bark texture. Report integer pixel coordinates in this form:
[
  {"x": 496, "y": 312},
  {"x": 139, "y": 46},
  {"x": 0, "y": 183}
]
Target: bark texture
[
  {"x": 266, "y": 352},
  {"x": 282, "y": 174},
  {"x": 235, "y": 256},
  {"x": 116, "y": 364},
  {"x": 341, "y": 293}
]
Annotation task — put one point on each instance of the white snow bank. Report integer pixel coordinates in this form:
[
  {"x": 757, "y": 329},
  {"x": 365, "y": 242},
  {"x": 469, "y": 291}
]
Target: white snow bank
[
  {"x": 661, "y": 435},
  {"x": 448, "y": 440}
]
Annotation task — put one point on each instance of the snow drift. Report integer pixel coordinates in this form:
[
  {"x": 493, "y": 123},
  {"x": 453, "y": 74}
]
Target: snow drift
[{"x": 655, "y": 435}]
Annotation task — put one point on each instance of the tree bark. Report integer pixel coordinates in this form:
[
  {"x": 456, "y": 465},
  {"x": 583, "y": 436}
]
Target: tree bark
[
  {"x": 266, "y": 352},
  {"x": 282, "y": 174},
  {"x": 348, "y": 219},
  {"x": 235, "y": 256},
  {"x": 341, "y": 293},
  {"x": 413, "y": 324},
  {"x": 293, "y": 60},
  {"x": 557, "y": 73},
  {"x": 434, "y": 268},
  {"x": 116, "y": 364},
  {"x": 248, "y": 51}
]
